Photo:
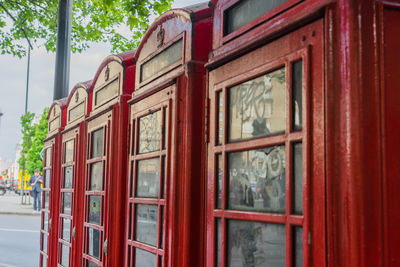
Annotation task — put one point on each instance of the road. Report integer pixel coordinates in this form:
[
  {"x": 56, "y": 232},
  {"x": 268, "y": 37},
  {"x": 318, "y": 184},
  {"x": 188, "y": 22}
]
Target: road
[{"x": 19, "y": 240}]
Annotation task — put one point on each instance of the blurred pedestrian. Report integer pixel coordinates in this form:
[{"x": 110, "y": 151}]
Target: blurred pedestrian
[{"x": 36, "y": 182}]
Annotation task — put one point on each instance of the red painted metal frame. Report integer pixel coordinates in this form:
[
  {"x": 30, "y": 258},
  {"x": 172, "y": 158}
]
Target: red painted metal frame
[
  {"x": 185, "y": 202},
  {"x": 76, "y": 130},
  {"x": 244, "y": 45},
  {"x": 52, "y": 141},
  {"x": 113, "y": 116}
]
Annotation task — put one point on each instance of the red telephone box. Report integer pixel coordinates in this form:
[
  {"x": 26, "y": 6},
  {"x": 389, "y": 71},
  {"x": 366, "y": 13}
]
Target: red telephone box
[
  {"x": 72, "y": 182},
  {"x": 50, "y": 194},
  {"x": 266, "y": 183},
  {"x": 165, "y": 222},
  {"x": 106, "y": 150}
]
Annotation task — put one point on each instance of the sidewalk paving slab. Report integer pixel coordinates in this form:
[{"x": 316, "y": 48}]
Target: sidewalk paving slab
[{"x": 10, "y": 203}]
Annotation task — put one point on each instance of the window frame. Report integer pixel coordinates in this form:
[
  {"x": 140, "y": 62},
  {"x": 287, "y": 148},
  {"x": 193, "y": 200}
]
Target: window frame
[{"x": 289, "y": 219}]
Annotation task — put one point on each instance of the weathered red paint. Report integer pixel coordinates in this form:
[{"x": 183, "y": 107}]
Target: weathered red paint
[
  {"x": 182, "y": 89},
  {"x": 52, "y": 141},
  {"x": 75, "y": 130},
  {"x": 113, "y": 116},
  {"x": 351, "y": 94}
]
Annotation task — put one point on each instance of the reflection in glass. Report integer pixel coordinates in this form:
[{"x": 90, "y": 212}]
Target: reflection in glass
[
  {"x": 97, "y": 143},
  {"x": 67, "y": 200},
  {"x": 44, "y": 244},
  {"x": 46, "y": 199},
  {"x": 68, "y": 177},
  {"x": 219, "y": 242},
  {"x": 64, "y": 255},
  {"x": 48, "y": 157},
  {"x": 162, "y": 61},
  {"x": 298, "y": 243},
  {"x": 164, "y": 176},
  {"x": 297, "y": 106},
  {"x": 69, "y": 151},
  {"x": 148, "y": 178},
  {"x": 219, "y": 175},
  {"x": 247, "y": 11},
  {"x": 66, "y": 229},
  {"x": 94, "y": 209},
  {"x": 91, "y": 264},
  {"x": 47, "y": 177},
  {"x": 257, "y": 107},
  {"x": 257, "y": 179},
  {"x": 146, "y": 224},
  {"x": 94, "y": 244},
  {"x": 162, "y": 227},
  {"x": 255, "y": 244},
  {"x": 220, "y": 120},
  {"x": 96, "y": 176},
  {"x": 45, "y": 221},
  {"x": 44, "y": 261},
  {"x": 165, "y": 129},
  {"x": 298, "y": 178},
  {"x": 150, "y": 132},
  {"x": 144, "y": 258}
]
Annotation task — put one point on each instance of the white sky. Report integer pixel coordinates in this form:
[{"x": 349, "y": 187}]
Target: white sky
[{"x": 13, "y": 84}]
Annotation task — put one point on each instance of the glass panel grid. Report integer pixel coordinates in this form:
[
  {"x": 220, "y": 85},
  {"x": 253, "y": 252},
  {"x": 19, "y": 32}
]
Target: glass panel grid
[{"x": 291, "y": 201}]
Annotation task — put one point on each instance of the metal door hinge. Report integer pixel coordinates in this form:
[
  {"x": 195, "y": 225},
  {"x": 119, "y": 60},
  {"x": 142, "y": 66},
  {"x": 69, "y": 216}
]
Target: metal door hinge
[
  {"x": 309, "y": 238},
  {"x": 49, "y": 223}
]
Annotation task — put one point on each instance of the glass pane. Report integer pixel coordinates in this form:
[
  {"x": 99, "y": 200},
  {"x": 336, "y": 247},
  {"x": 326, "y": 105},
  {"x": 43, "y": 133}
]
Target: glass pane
[
  {"x": 257, "y": 179},
  {"x": 298, "y": 178},
  {"x": 96, "y": 176},
  {"x": 255, "y": 244},
  {"x": 144, "y": 258},
  {"x": 94, "y": 209},
  {"x": 108, "y": 92},
  {"x": 219, "y": 242},
  {"x": 97, "y": 143},
  {"x": 219, "y": 175},
  {"x": 246, "y": 11},
  {"x": 47, "y": 178},
  {"x": 94, "y": 242},
  {"x": 68, "y": 177},
  {"x": 69, "y": 151},
  {"x": 65, "y": 255},
  {"x": 146, "y": 224},
  {"x": 66, "y": 230},
  {"x": 45, "y": 221},
  {"x": 257, "y": 107},
  {"x": 150, "y": 132},
  {"x": 297, "y": 105},
  {"x": 67, "y": 200},
  {"x": 163, "y": 60},
  {"x": 48, "y": 157},
  {"x": 44, "y": 243},
  {"x": 162, "y": 228},
  {"x": 130, "y": 236},
  {"x": 165, "y": 130},
  {"x": 44, "y": 261},
  {"x": 91, "y": 264},
  {"x": 148, "y": 179},
  {"x": 164, "y": 177},
  {"x": 298, "y": 251},
  {"x": 46, "y": 199},
  {"x": 220, "y": 120}
]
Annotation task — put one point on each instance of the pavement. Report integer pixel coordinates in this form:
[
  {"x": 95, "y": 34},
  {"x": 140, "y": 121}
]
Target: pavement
[{"x": 10, "y": 204}]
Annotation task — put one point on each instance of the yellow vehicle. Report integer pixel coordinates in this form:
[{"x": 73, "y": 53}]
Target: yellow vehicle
[{"x": 26, "y": 178}]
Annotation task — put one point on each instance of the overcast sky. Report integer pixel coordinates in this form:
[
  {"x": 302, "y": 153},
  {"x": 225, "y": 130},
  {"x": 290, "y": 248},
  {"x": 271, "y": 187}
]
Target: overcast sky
[{"x": 41, "y": 81}]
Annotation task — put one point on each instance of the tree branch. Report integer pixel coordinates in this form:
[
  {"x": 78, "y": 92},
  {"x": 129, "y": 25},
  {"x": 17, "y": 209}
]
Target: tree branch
[{"x": 12, "y": 17}]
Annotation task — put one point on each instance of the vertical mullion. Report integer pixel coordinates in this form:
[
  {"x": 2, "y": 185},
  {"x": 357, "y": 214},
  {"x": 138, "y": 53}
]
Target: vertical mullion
[
  {"x": 306, "y": 157},
  {"x": 223, "y": 242}
]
